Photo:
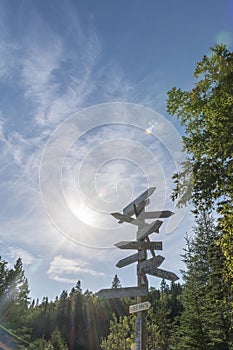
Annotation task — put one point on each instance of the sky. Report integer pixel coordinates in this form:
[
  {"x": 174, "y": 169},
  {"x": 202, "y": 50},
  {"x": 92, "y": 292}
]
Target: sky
[{"x": 84, "y": 130}]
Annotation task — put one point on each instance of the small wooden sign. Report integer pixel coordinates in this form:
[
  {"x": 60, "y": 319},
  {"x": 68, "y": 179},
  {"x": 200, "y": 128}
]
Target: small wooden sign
[
  {"x": 167, "y": 275},
  {"x": 150, "y": 264},
  {"x": 148, "y": 229},
  {"x": 130, "y": 208},
  {"x": 139, "y": 245},
  {"x": 139, "y": 307},
  {"x": 115, "y": 293},
  {"x": 125, "y": 218},
  {"x": 156, "y": 214},
  {"x": 131, "y": 259}
]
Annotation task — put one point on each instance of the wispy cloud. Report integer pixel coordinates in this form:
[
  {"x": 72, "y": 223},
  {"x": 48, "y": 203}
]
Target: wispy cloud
[
  {"x": 54, "y": 82},
  {"x": 62, "y": 269},
  {"x": 13, "y": 253}
]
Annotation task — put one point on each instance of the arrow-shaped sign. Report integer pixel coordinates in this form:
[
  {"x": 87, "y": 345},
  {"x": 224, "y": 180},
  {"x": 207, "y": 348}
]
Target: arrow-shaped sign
[
  {"x": 150, "y": 264},
  {"x": 148, "y": 229},
  {"x": 140, "y": 207},
  {"x": 139, "y": 307},
  {"x": 156, "y": 214},
  {"x": 125, "y": 218},
  {"x": 139, "y": 245},
  {"x": 130, "y": 208},
  {"x": 114, "y": 293},
  {"x": 154, "y": 271},
  {"x": 131, "y": 259}
]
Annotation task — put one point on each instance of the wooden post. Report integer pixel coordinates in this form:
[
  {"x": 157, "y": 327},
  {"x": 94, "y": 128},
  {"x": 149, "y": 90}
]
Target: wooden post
[{"x": 140, "y": 323}]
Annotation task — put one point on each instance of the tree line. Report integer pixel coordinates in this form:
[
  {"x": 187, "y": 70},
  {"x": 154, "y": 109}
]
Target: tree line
[{"x": 194, "y": 315}]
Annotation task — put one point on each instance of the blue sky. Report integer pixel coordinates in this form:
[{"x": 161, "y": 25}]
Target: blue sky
[{"x": 80, "y": 83}]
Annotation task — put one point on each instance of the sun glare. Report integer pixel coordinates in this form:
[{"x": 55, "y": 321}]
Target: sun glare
[{"x": 83, "y": 212}]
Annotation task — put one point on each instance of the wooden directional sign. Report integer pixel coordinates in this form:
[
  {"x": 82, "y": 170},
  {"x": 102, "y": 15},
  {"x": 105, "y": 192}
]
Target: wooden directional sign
[
  {"x": 154, "y": 271},
  {"x": 130, "y": 208},
  {"x": 150, "y": 264},
  {"x": 139, "y": 307},
  {"x": 131, "y": 259},
  {"x": 140, "y": 207},
  {"x": 156, "y": 214},
  {"x": 148, "y": 229},
  {"x": 139, "y": 245},
  {"x": 125, "y": 218},
  {"x": 115, "y": 293}
]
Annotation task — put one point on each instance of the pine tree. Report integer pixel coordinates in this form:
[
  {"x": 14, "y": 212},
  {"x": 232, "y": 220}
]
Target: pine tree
[
  {"x": 16, "y": 301},
  {"x": 58, "y": 341},
  {"x": 161, "y": 317},
  {"x": 116, "y": 282},
  {"x": 3, "y": 278},
  {"x": 204, "y": 324}
]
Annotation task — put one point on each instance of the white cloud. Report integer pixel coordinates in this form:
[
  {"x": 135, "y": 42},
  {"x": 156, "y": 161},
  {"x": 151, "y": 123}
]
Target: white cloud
[
  {"x": 14, "y": 253},
  {"x": 62, "y": 269}
]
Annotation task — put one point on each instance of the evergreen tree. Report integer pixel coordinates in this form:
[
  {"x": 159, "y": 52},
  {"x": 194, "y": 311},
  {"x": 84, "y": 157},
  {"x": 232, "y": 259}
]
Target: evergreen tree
[
  {"x": 122, "y": 334},
  {"x": 58, "y": 341},
  {"x": 162, "y": 315},
  {"x": 116, "y": 283},
  {"x": 15, "y": 300},
  {"x": 3, "y": 278},
  {"x": 204, "y": 323},
  {"x": 4, "y": 283}
]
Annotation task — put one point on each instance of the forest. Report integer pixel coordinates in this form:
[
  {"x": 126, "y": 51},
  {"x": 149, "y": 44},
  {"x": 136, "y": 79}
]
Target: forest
[{"x": 197, "y": 314}]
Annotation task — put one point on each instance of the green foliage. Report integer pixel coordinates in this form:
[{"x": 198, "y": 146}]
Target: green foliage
[
  {"x": 41, "y": 344},
  {"x": 205, "y": 321},
  {"x": 14, "y": 300},
  {"x": 81, "y": 318},
  {"x": 58, "y": 341},
  {"x": 122, "y": 334},
  {"x": 161, "y": 319},
  {"x": 206, "y": 112},
  {"x": 165, "y": 307}
]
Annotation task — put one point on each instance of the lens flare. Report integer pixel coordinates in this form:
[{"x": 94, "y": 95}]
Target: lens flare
[{"x": 151, "y": 127}]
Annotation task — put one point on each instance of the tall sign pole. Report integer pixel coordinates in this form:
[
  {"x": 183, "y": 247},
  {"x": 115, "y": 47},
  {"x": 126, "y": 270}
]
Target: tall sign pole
[
  {"x": 140, "y": 326},
  {"x": 145, "y": 266}
]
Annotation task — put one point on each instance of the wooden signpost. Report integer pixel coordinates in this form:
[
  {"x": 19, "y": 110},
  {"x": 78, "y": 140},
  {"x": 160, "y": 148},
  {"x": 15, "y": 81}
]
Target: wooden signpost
[{"x": 145, "y": 266}]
